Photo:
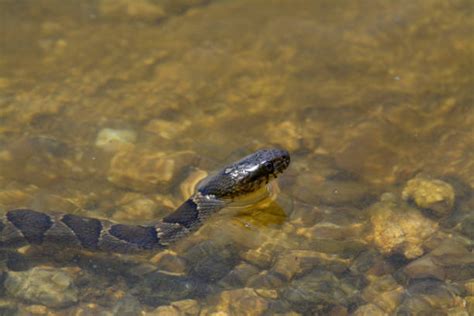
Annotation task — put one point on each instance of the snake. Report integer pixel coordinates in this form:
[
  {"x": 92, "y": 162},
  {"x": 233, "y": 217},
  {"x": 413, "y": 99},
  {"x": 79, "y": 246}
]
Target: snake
[{"x": 24, "y": 226}]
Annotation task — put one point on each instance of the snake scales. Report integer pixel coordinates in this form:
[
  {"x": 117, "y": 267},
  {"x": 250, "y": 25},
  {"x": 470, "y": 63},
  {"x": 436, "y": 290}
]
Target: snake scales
[{"x": 20, "y": 227}]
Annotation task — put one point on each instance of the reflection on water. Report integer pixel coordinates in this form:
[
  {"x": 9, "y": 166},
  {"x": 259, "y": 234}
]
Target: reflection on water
[{"x": 117, "y": 109}]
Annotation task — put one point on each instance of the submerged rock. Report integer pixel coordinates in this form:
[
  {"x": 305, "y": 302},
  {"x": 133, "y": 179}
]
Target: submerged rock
[
  {"x": 239, "y": 276},
  {"x": 369, "y": 310},
  {"x": 318, "y": 288},
  {"x": 137, "y": 9},
  {"x": 46, "y": 286},
  {"x": 111, "y": 139},
  {"x": 245, "y": 301},
  {"x": 178, "y": 308},
  {"x": 157, "y": 288},
  {"x": 434, "y": 195},
  {"x": 210, "y": 261},
  {"x": 432, "y": 297},
  {"x": 145, "y": 170},
  {"x": 449, "y": 260},
  {"x": 384, "y": 292},
  {"x": 424, "y": 267},
  {"x": 297, "y": 262},
  {"x": 399, "y": 228}
]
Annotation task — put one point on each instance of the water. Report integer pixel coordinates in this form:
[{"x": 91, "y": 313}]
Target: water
[{"x": 366, "y": 95}]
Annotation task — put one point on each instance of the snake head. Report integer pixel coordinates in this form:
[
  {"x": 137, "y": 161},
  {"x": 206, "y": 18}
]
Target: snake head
[{"x": 246, "y": 175}]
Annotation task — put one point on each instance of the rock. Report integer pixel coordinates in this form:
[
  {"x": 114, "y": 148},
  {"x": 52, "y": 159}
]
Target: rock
[
  {"x": 260, "y": 257},
  {"x": 111, "y": 139},
  {"x": 187, "y": 307},
  {"x": 329, "y": 230},
  {"x": 46, "y": 286},
  {"x": 434, "y": 195},
  {"x": 296, "y": 262},
  {"x": 158, "y": 288},
  {"x": 469, "y": 286},
  {"x": 145, "y": 171},
  {"x": 266, "y": 280},
  {"x": 210, "y": 261},
  {"x": 452, "y": 253},
  {"x": 169, "y": 261},
  {"x": 7, "y": 306},
  {"x": 432, "y": 296},
  {"x": 243, "y": 301},
  {"x": 127, "y": 306},
  {"x": 470, "y": 305},
  {"x": 26, "y": 158},
  {"x": 424, "y": 267},
  {"x": 137, "y": 9},
  {"x": 467, "y": 226},
  {"x": 398, "y": 228},
  {"x": 369, "y": 310},
  {"x": 318, "y": 287},
  {"x": 384, "y": 292},
  {"x": 239, "y": 276},
  {"x": 136, "y": 209},
  {"x": 166, "y": 310},
  {"x": 371, "y": 262},
  {"x": 167, "y": 129}
]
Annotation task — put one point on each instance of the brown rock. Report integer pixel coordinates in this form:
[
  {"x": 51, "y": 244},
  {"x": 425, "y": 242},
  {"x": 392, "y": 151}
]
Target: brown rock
[
  {"x": 297, "y": 262},
  {"x": 398, "y": 228},
  {"x": 369, "y": 310},
  {"x": 239, "y": 302},
  {"x": 144, "y": 170},
  {"x": 187, "y": 307},
  {"x": 424, "y": 268},
  {"x": 384, "y": 292},
  {"x": 435, "y": 195}
]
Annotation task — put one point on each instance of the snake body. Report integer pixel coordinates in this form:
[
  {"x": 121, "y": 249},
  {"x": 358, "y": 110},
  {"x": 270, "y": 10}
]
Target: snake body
[{"x": 20, "y": 227}]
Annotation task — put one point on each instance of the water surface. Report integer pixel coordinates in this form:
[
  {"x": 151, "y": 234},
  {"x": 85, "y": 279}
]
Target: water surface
[{"x": 116, "y": 109}]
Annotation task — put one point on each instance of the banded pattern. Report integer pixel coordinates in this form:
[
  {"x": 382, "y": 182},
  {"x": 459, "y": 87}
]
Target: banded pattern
[{"x": 20, "y": 227}]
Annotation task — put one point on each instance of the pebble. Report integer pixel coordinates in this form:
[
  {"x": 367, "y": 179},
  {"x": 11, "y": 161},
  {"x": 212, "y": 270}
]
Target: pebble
[
  {"x": 136, "y": 209},
  {"x": 110, "y": 139},
  {"x": 384, "y": 292},
  {"x": 428, "y": 296},
  {"x": 297, "y": 262},
  {"x": 45, "y": 286},
  {"x": 259, "y": 257},
  {"x": 160, "y": 288},
  {"x": 434, "y": 195},
  {"x": 399, "y": 228},
  {"x": 424, "y": 267},
  {"x": 318, "y": 287},
  {"x": 266, "y": 280},
  {"x": 187, "y": 307},
  {"x": 369, "y": 310},
  {"x": 137, "y": 9},
  {"x": 167, "y": 129},
  {"x": 210, "y": 261},
  {"x": 243, "y": 301},
  {"x": 239, "y": 275},
  {"x": 169, "y": 261}
]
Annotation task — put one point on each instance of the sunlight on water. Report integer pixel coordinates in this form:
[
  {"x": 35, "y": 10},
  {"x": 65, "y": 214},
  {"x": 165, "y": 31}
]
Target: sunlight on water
[{"x": 117, "y": 109}]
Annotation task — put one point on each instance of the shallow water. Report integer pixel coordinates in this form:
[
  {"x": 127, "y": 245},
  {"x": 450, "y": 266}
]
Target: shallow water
[{"x": 116, "y": 109}]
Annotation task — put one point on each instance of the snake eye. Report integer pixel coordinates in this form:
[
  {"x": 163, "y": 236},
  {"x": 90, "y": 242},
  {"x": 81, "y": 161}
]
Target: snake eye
[{"x": 269, "y": 166}]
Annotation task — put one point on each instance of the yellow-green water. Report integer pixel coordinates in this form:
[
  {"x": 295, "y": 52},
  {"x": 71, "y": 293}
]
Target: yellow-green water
[{"x": 366, "y": 95}]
